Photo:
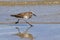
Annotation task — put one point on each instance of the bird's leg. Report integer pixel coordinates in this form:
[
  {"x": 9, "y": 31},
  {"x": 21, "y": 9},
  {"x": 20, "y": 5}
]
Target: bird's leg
[
  {"x": 17, "y": 21},
  {"x": 29, "y": 23},
  {"x": 18, "y": 29},
  {"x": 27, "y": 29}
]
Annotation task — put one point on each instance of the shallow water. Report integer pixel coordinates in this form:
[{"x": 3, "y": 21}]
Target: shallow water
[
  {"x": 45, "y": 13},
  {"x": 39, "y": 31}
]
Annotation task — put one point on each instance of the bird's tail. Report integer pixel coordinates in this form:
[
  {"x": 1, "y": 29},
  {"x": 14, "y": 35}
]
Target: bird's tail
[{"x": 14, "y": 15}]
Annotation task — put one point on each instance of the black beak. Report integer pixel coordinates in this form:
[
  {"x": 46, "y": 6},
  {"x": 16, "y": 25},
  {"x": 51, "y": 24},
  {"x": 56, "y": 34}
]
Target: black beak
[{"x": 34, "y": 14}]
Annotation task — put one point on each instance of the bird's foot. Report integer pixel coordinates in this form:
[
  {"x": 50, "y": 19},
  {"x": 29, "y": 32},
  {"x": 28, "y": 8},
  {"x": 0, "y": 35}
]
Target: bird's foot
[
  {"x": 16, "y": 22},
  {"x": 31, "y": 25}
]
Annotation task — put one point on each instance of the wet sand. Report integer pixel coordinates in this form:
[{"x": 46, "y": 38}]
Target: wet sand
[{"x": 9, "y": 3}]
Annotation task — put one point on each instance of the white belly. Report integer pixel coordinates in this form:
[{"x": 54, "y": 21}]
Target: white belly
[{"x": 26, "y": 17}]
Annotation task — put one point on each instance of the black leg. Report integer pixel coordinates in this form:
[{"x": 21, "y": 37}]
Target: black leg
[
  {"x": 27, "y": 29},
  {"x": 29, "y": 24},
  {"x": 18, "y": 29},
  {"x": 17, "y": 21}
]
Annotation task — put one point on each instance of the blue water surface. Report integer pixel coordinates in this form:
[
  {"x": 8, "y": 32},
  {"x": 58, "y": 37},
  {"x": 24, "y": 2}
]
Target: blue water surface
[{"x": 39, "y": 31}]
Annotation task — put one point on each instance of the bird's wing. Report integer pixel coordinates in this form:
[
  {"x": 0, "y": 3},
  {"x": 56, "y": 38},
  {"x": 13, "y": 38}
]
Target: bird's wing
[
  {"x": 23, "y": 13},
  {"x": 19, "y": 14}
]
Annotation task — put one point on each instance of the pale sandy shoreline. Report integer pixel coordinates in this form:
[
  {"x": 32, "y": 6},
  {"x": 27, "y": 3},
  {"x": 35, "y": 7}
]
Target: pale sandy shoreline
[{"x": 8, "y": 3}]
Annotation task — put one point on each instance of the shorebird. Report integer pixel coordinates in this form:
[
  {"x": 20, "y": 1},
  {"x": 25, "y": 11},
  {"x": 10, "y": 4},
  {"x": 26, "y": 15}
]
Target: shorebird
[
  {"x": 24, "y": 34},
  {"x": 24, "y": 15}
]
